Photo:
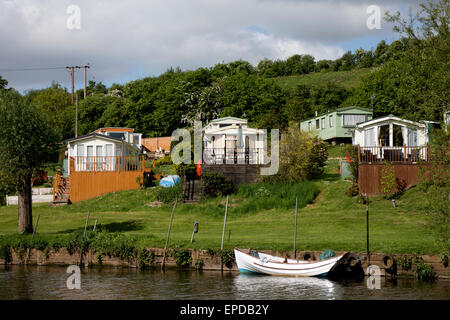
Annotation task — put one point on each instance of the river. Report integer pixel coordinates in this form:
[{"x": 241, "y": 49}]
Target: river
[{"x": 44, "y": 282}]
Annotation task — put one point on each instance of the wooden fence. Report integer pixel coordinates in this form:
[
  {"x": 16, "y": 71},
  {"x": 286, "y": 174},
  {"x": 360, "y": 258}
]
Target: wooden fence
[
  {"x": 369, "y": 177},
  {"x": 89, "y": 184}
]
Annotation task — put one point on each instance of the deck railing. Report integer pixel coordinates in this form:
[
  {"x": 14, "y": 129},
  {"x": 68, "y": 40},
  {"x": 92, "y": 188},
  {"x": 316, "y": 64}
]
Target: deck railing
[
  {"x": 405, "y": 154},
  {"x": 108, "y": 163},
  {"x": 233, "y": 156}
]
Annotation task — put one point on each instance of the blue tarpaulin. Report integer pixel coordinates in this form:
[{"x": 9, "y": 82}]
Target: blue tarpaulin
[{"x": 169, "y": 181}]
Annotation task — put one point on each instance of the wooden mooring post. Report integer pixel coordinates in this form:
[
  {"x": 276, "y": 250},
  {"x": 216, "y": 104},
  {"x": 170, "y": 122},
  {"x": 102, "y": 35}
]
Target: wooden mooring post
[
  {"x": 168, "y": 235},
  {"x": 295, "y": 228},
  {"x": 224, "y": 223},
  {"x": 367, "y": 228}
]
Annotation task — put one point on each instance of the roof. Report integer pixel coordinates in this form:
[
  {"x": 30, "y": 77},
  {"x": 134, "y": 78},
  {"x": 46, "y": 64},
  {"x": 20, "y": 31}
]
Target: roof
[
  {"x": 338, "y": 111},
  {"x": 98, "y": 135},
  {"x": 387, "y": 118},
  {"x": 114, "y": 129},
  {"x": 225, "y": 119},
  {"x": 93, "y": 134}
]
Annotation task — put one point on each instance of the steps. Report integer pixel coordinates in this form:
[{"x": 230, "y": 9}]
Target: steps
[
  {"x": 191, "y": 191},
  {"x": 62, "y": 193}
]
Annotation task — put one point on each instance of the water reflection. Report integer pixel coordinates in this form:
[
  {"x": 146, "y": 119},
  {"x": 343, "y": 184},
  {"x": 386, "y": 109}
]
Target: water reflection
[
  {"x": 22, "y": 282},
  {"x": 269, "y": 287}
]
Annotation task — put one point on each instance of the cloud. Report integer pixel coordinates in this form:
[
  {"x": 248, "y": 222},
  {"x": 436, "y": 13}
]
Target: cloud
[{"x": 123, "y": 40}]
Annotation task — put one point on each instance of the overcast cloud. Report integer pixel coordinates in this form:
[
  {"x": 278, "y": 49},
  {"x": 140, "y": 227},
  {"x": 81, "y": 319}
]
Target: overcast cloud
[{"x": 126, "y": 40}]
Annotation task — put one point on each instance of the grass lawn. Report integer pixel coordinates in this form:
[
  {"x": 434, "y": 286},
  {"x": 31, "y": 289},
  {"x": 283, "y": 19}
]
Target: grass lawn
[
  {"x": 331, "y": 221},
  {"x": 348, "y": 79}
]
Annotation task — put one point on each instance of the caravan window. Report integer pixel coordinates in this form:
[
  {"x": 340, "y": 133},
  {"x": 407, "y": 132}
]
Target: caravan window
[{"x": 353, "y": 119}]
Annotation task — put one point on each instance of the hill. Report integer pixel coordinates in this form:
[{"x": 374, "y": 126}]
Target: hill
[{"x": 347, "y": 79}]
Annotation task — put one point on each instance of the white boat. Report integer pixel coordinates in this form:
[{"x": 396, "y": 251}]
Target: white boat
[{"x": 262, "y": 263}]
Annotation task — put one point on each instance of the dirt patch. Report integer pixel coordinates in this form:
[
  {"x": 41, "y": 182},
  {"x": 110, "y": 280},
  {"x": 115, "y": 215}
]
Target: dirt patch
[{"x": 154, "y": 204}]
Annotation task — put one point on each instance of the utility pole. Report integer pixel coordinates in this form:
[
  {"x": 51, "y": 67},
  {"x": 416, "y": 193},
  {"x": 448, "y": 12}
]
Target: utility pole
[
  {"x": 76, "y": 117},
  {"x": 85, "y": 67},
  {"x": 72, "y": 75},
  {"x": 72, "y": 71}
]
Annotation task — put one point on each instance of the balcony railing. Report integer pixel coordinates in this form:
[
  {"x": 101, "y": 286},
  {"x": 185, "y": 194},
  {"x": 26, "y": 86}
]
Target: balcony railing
[
  {"x": 233, "y": 156},
  {"x": 405, "y": 154},
  {"x": 107, "y": 163}
]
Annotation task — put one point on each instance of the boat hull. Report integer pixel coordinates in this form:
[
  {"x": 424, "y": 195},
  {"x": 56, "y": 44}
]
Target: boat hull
[{"x": 261, "y": 263}]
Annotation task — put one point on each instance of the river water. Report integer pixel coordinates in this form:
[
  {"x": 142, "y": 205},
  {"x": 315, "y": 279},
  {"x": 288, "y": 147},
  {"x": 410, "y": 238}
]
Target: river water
[{"x": 40, "y": 282}]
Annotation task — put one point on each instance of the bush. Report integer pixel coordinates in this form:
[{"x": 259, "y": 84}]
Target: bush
[
  {"x": 215, "y": 184},
  {"x": 189, "y": 169},
  {"x": 424, "y": 271},
  {"x": 166, "y": 160},
  {"x": 168, "y": 195},
  {"x": 352, "y": 152},
  {"x": 182, "y": 257},
  {"x": 302, "y": 155}
]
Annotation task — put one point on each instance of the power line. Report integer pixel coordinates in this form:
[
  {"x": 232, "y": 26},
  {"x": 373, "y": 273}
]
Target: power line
[{"x": 32, "y": 69}]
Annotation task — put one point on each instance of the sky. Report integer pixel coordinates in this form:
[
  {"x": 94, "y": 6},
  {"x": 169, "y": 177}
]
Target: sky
[{"x": 127, "y": 40}]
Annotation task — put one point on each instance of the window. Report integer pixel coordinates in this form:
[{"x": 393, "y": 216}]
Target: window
[
  {"x": 322, "y": 123},
  {"x": 117, "y": 135},
  {"x": 80, "y": 150},
  {"x": 331, "y": 121},
  {"x": 136, "y": 139},
  {"x": 109, "y": 150},
  {"x": 412, "y": 137},
  {"x": 353, "y": 119},
  {"x": 90, "y": 155},
  {"x": 317, "y": 124},
  {"x": 310, "y": 126},
  {"x": 369, "y": 137}
]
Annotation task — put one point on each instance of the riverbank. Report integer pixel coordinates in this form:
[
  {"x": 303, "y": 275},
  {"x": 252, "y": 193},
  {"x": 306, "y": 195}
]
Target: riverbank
[{"x": 191, "y": 259}]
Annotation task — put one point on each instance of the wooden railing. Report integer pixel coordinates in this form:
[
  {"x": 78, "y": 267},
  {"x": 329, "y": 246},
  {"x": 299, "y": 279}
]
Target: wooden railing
[
  {"x": 233, "y": 156},
  {"x": 108, "y": 163},
  {"x": 405, "y": 154}
]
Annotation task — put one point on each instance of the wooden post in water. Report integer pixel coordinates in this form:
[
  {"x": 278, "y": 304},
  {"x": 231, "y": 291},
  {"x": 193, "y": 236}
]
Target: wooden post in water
[
  {"x": 295, "y": 228},
  {"x": 224, "y": 223},
  {"x": 168, "y": 235}
]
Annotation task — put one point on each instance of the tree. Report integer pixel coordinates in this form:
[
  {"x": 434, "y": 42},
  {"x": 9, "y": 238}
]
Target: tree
[
  {"x": 3, "y": 83},
  {"x": 302, "y": 155},
  {"x": 435, "y": 184},
  {"x": 56, "y": 102},
  {"x": 415, "y": 84},
  {"x": 27, "y": 142}
]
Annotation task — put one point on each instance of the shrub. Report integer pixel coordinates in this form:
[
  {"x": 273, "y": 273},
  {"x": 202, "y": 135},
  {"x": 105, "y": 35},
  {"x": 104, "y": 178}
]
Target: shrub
[
  {"x": 168, "y": 195},
  {"x": 5, "y": 253},
  {"x": 353, "y": 190},
  {"x": 352, "y": 152},
  {"x": 215, "y": 184},
  {"x": 227, "y": 257},
  {"x": 189, "y": 169},
  {"x": 166, "y": 160},
  {"x": 424, "y": 271},
  {"x": 302, "y": 155},
  {"x": 182, "y": 257},
  {"x": 145, "y": 259},
  {"x": 387, "y": 180}
]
